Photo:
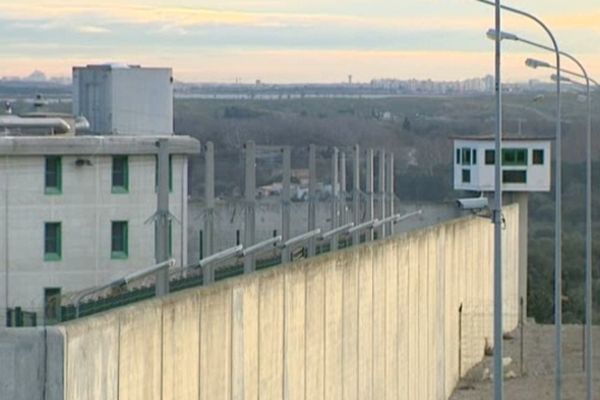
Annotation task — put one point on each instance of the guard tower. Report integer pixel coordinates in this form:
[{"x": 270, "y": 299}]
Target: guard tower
[
  {"x": 525, "y": 164},
  {"x": 525, "y": 168}
]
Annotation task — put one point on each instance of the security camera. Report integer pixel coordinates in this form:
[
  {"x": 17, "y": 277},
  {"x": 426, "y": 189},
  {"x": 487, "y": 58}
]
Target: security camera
[{"x": 474, "y": 203}]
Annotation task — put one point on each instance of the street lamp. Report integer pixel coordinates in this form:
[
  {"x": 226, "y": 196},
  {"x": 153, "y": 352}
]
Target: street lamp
[
  {"x": 588, "y": 208},
  {"x": 558, "y": 189}
]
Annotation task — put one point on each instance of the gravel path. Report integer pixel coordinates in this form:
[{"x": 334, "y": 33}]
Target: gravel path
[{"x": 537, "y": 381}]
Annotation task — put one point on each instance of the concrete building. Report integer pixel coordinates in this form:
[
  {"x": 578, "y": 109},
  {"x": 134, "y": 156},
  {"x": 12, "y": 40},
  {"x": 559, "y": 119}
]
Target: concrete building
[
  {"x": 124, "y": 99},
  {"x": 76, "y": 210},
  {"x": 525, "y": 164}
]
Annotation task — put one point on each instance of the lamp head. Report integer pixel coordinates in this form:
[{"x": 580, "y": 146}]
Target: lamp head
[
  {"x": 491, "y": 34},
  {"x": 533, "y": 63}
]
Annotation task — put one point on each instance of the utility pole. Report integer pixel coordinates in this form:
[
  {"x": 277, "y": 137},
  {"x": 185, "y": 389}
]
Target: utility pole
[
  {"x": 497, "y": 215},
  {"x": 162, "y": 218}
]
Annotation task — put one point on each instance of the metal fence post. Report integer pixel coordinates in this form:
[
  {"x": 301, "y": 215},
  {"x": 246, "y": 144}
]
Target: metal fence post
[
  {"x": 389, "y": 186},
  {"x": 162, "y": 217},
  {"x": 522, "y": 329},
  {"x": 334, "y": 197},
  {"x": 381, "y": 188},
  {"x": 250, "y": 197},
  {"x": 460, "y": 310},
  {"x": 312, "y": 197},
  {"x": 356, "y": 193},
  {"x": 285, "y": 201},
  {"x": 208, "y": 238},
  {"x": 342, "y": 195},
  {"x": 370, "y": 200}
]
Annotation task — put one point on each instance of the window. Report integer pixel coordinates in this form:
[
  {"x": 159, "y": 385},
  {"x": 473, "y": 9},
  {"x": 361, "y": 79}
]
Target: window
[
  {"x": 538, "y": 157},
  {"x": 514, "y": 156},
  {"x": 119, "y": 248},
  {"x": 457, "y": 156},
  {"x": 466, "y": 156},
  {"x": 52, "y": 241},
  {"x": 53, "y": 175},
  {"x": 474, "y": 155},
  {"x": 466, "y": 176},
  {"x": 170, "y": 173},
  {"x": 120, "y": 174},
  {"x": 514, "y": 176},
  {"x": 490, "y": 157}
]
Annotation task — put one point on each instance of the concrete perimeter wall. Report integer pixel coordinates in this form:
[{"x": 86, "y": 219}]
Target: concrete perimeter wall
[
  {"x": 31, "y": 361},
  {"x": 377, "y": 321}
]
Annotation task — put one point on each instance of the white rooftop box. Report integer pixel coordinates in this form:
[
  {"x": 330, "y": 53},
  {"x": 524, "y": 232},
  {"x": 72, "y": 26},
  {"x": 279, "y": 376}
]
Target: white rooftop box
[
  {"x": 124, "y": 99},
  {"x": 525, "y": 164}
]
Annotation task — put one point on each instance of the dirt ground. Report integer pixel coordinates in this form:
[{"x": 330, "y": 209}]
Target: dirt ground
[{"x": 537, "y": 381}]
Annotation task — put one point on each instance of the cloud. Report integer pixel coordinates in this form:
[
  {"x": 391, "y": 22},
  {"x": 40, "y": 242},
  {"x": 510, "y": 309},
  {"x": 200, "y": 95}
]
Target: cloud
[{"x": 93, "y": 29}]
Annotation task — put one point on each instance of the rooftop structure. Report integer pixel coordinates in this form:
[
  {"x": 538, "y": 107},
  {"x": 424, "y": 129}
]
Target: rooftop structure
[{"x": 124, "y": 99}]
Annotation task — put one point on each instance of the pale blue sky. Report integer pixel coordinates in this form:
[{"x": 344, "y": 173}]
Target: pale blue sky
[{"x": 286, "y": 41}]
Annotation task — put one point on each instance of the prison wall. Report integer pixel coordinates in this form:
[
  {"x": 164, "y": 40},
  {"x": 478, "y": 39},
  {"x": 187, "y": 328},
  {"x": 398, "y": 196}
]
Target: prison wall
[{"x": 400, "y": 318}]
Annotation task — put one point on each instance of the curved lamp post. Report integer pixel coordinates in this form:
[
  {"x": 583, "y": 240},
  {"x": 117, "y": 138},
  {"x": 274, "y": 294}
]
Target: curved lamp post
[
  {"x": 558, "y": 199},
  {"x": 532, "y": 63}
]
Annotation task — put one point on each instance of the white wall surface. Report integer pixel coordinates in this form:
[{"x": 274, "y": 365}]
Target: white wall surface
[{"x": 85, "y": 208}]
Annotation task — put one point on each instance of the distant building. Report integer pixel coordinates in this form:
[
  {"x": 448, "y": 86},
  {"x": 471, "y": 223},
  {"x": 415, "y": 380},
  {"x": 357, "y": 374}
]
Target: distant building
[{"x": 525, "y": 164}]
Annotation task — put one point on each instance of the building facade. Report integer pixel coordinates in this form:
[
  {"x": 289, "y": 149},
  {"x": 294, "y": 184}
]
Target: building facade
[{"x": 76, "y": 211}]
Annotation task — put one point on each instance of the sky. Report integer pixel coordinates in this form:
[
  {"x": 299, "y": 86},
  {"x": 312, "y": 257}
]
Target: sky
[{"x": 282, "y": 41}]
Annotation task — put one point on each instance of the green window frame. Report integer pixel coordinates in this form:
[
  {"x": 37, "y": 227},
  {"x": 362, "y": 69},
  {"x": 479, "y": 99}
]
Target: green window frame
[
  {"x": 466, "y": 176},
  {"x": 53, "y": 175},
  {"x": 514, "y": 157},
  {"x": 120, "y": 174},
  {"x": 52, "y": 241},
  {"x": 170, "y": 173},
  {"x": 490, "y": 157},
  {"x": 537, "y": 157},
  {"x": 119, "y": 240},
  {"x": 466, "y": 156}
]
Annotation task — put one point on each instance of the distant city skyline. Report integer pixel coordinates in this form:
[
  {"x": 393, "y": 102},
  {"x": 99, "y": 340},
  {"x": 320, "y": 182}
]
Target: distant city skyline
[{"x": 287, "y": 41}]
